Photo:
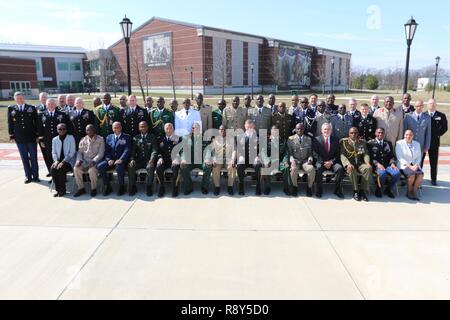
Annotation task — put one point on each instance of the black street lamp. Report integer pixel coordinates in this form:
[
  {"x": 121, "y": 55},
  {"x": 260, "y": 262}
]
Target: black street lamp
[
  {"x": 191, "y": 70},
  {"x": 438, "y": 59},
  {"x": 126, "y": 26},
  {"x": 252, "y": 68},
  {"x": 332, "y": 74},
  {"x": 410, "y": 31}
]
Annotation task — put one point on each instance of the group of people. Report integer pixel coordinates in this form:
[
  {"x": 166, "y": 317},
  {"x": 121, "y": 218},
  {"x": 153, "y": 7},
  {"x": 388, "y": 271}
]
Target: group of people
[{"x": 311, "y": 140}]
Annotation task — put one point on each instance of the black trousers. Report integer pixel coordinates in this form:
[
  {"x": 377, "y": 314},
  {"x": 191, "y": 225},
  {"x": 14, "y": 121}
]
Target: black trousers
[
  {"x": 433, "y": 154},
  {"x": 339, "y": 175},
  {"x": 241, "y": 172},
  {"x": 47, "y": 154},
  {"x": 160, "y": 173},
  {"x": 59, "y": 177}
]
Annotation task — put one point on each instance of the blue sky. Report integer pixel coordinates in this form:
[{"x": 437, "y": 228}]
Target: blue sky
[{"x": 371, "y": 30}]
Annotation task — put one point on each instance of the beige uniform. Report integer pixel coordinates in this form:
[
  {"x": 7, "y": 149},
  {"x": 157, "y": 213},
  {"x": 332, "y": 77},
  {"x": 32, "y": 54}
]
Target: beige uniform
[
  {"x": 234, "y": 118},
  {"x": 300, "y": 154},
  {"x": 391, "y": 122},
  {"x": 222, "y": 155},
  {"x": 206, "y": 116},
  {"x": 89, "y": 150}
]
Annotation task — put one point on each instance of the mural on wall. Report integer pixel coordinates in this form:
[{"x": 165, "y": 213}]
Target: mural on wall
[
  {"x": 293, "y": 68},
  {"x": 157, "y": 50}
]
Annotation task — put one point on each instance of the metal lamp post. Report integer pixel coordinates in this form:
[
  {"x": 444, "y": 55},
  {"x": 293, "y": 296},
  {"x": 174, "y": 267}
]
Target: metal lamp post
[
  {"x": 332, "y": 74},
  {"x": 126, "y": 26},
  {"x": 410, "y": 31},
  {"x": 252, "y": 68},
  {"x": 191, "y": 70},
  {"x": 438, "y": 59}
]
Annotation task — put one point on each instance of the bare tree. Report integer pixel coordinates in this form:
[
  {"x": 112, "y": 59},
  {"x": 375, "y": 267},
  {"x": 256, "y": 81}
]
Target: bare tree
[
  {"x": 320, "y": 76},
  {"x": 172, "y": 78},
  {"x": 138, "y": 71},
  {"x": 222, "y": 69}
]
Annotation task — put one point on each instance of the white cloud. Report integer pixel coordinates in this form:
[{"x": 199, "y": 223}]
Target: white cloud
[{"x": 350, "y": 37}]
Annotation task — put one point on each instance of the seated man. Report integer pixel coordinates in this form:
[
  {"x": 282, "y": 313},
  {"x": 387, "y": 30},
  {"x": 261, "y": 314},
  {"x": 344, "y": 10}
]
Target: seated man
[
  {"x": 63, "y": 152},
  {"x": 300, "y": 152},
  {"x": 327, "y": 155},
  {"x": 280, "y": 160},
  {"x": 192, "y": 158},
  {"x": 384, "y": 163},
  {"x": 144, "y": 155},
  {"x": 356, "y": 161},
  {"x": 168, "y": 142},
  {"x": 117, "y": 152},
  {"x": 248, "y": 156},
  {"x": 90, "y": 152}
]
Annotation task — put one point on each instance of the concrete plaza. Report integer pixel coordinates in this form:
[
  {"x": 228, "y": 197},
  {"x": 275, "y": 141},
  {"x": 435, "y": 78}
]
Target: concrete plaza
[{"x": 200, "y": 247}]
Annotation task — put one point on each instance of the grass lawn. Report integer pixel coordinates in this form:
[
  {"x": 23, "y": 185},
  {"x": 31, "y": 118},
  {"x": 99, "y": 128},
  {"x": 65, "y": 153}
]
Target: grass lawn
[{"x": 443, "y": 99}]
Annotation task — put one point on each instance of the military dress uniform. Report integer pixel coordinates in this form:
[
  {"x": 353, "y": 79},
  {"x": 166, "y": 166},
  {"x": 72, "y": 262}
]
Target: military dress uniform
[
  {"x": 234, "y": 118},
  {"x": 439, "y": 127},
  {"x": 420, "y": 125},
  {"x": 366, "y": 127},
  {"x": 22, "y": 127},
  {"x": 382, "y": 152},
  {"x": 130, "y": 119},
  {"x": 341, "y": 125},
  {"x": 355, "y": 114},
  {"x": 284, "y": 125},
  {"x": 217, "y": 118},
  {"x": 158, "y": 118},
  {"x": 166, "y": 146},
  {"x": 206, "y": 116},
  {"x": 221, "y": 155},
  {"x": 262, "y": 117},
  {"x": 300, "y": 154},
  {"x": 105, "y": 116},
  {"x": 356, "y": 154},
  {"x": 79, "y": 121},
  {"x": 307, "y": 117},
  {"x": 47, "y": 130},
  {"x": 247, "y": 156},
  {"x": 280, "y": 160},
  {"x": 145, "y": 155}
]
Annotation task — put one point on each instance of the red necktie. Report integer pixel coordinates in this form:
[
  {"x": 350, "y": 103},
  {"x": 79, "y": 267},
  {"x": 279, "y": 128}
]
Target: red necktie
[{"x": 327, "y": 145}]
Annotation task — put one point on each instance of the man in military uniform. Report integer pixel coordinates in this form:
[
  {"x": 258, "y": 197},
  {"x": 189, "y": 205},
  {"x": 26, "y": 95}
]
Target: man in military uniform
[
  {"x": 283, "y": 122},
  {"x": 322, "y": 117},
  {"x": 248, "y": 102},
  {"x": 272, "y": 103},
  {"x": 331, "y": 107},
  {"x": 406, "y": 106},
  {"x": 42, "y": 105},
  {"x": 131, "y": 117},
  {"x": 22, "y": 129},
  {"x": 366, "y": 123},
  {"x": 341, "y": 122},
  {"x": 300, "y": 155},
  {"x": 306, "y": 116},
  {"x": 234, "y": 116},
  {"x": 353, "y": 109},
  {"x": 374, "y": 104},
  {"x": 313, "y": 102},
  {"x": 70, "y": 104},
  {"x": 144, "y": 155},
  {"x": 166, "y": 144},
  {"x": 192, "y": 158},
  {"x": 61, "y": 103},
  {"x": 261, "y": 116},
  {"x": 356, "y": 161},
  {"x": 217, "y": 114},
  {"x": 47, "y": 130},
  {"x": 105, "y": 116},
  {"x": 384, "y": 163},
  {"x": 205, "y": 113},
  {"x": 80, "y": 118},
  {"x": 159, "y": 117},
  {"x": 123, "y": 103}
]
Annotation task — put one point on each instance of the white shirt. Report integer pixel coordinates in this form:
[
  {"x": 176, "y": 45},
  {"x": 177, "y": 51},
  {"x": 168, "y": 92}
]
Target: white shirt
[
  {"x": 184, "y": 120},
  {"x": 106, "y": 107}
]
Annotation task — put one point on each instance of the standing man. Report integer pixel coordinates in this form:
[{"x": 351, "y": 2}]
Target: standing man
[
  {"x": 80, "y": 118},
  {"x": 374, "y": 104},
  {"x": 173, "y": 106},
  {"x": 356, "y": 161},
  {"x": 391, "y": 120},
  {"x": 283, "y": 123},
  {"x": 384, "y": 163},
  {"x": 272, "y": 103},
  {"x": 313, "y": 102},
  {"x": 353, "y": 104},
  {"x": 406, "y": 104},
  {"x": 117, "y": 152},
  {"x": 70, "y": 104},
  {"x": 159, "y": 116},
  {"x": 96, "y": 101},
  {"x": 123, "y": 103},
  {"x": 185, "y": 119},
  {"x": 43, "y": 96},
  {"x": 205, "y": 113},
  {"x": 294, "y": 104},
  {"x": 331, "y": 107},
  {"x": 105, "y": 116},
  {"x": 322, "y": 117},
  {"x": 300, "y": 152},
  {"x": 148, "y": 104},
  {"x": 419, "y": 123},
  {"x": 217, "y": 114},
  {"x": 306, "y": 116},
  {"x": 261, "y": 116},
  {"x": 90, "y": 152},
  {"x": 23, "y": 129},
  {"x": 132, "y": 116},
  {"x": 248, "y": 102},
  {"x": 61, "y": 102},
  {"x": 341, "y": 122},
  {"x": 366, "y": 123},
  {"x": 144, "y": 155},
  {"x": 327, "y": 155},
  {"x": 234, "y": 117},
  {"x": 439, "y": 127}
]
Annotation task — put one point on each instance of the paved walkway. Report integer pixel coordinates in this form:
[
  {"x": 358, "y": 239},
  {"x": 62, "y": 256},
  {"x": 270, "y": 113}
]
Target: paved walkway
[{"x": 200, "y": 247}]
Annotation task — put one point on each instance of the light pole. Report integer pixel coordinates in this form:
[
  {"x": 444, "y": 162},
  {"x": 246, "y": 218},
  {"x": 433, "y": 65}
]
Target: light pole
[
  {"x": 410, "y": 31},
  {"x": 126, "y": 26},
  {"x": 191, "y": 70},
  {"x": 332, "y": 75},
  {"x": 438, "y": 59},
  {"x": 252, "y": 68},
  {"x": 146, "y": 81}
]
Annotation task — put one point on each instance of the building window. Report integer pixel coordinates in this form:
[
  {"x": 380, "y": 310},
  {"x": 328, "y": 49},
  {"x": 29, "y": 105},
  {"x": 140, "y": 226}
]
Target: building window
[
  {"x": 75, "y": 66},
  {"x": 24, "y": 86},
  {"x": 94, "y": 65},
  {"x": 77, "y": 86},
  {"x": 63, "y": 66},
  {"x": 64, "y": 85}
]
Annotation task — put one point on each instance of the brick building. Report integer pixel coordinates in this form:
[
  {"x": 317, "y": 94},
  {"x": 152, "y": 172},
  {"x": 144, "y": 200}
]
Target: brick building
[{"x": 17, "y": 75}]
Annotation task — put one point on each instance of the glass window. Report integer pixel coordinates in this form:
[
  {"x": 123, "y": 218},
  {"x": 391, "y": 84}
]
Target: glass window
[
  {"x": 12, "y": 86},
  {"x": 75, "y": 66},
  {"x": 94, "y": 65},
  {"x": 77, "y": 86},
  {"x": 38, "y": 66},
  {"x": 63, "y": 66},
  {"x": 64, "y": 84}
]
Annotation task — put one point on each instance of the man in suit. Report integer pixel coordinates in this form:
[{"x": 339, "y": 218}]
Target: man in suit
[
  {"x": 294, "y": 104},
  {"x": 353, "y": 109},
  {"x": 117, "y": 153},
  {"x": 173, "y": 107},
  {"x": 105, "y": 116},
  {"x": 419, "y": 123},
  {"x": 159, "y": 116},
  {"x": 406, "y": 104},
  {"x": 218, "y": 113},
  {"x": 322, "y": 117},
  {"x": 391, "y": 120},
  {"x": 23, "y": 129},
  {"x": 366, "y": 123},
  {"x": 356, "y": 161},
  {"x": 272, "y": 103},
  {"x": 144, "y": 155},
  {"x": 47, "y": 130},
  {"x": 341, "y": 122},
  {"x": 439, "y": 127},
  {"x": 300, "y": 155},
  {"x": 331, "y": 107},
  {"x": 261, "y": 116},
  {"x": 327, "y": 155},
  {"x": 247, "y": 102},
  {"x": 313, "y": 99},
  {"x": 64, "y": 155},
  {"x": 80, "y": 118},
  {"x": 132, "y": 116},
  {"x": 234, "y": 116},
  {"x": 283, "y": 122},
  {"x": 167, "y": 144},
  {"x": 205, "y": 113},
  {"x": 306, "y": 116},
  {"x": 185, "y": 118},
  {"x": 384, "y": 163}
]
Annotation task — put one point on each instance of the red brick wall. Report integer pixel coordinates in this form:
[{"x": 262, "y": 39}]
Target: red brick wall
[
  {"x": 186, "y": 52},
  {"x": 49, "y": 70},
  {"x": 12, "y": 69},
  {"x": 245, "y": 59},
  {"x": 229, "y": 67},
  {"x": 267, "y": 59}
]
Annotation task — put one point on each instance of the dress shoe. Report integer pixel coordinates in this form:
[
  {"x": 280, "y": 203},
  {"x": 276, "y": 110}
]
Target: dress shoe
[
  {"x": 389, "y": 193},
  {"x": 187, "y": 192},
  {"x": 241, "y": 189},
  {"x": 294, "y": 192},
  {"x": 356, "y": 196},
  {"x": 309, "y": 192},
  {"x": 93, "y": 193},
  {"x": 107, "y": 190},
  {"x": 319, "y": 195},
  {"x": 378, "y": 193},
  {"x": 204, "y": 191},
  {"x": 230, "y": 191},
  {"x": 133, "y": 191},
  {"x": 339, "y": 194},
  {"x": 267, "y": 191},
  {"x": 149, "y": 192},
  {"x": 48, "y": 175},
  {"x": 28, "y": 181},
  {"x": 286, "y": 191},
  {"x": 79, "y": 193},
  {"x": 175, "y": 193},
  {"x": 37, "y": 180},
  {"x": 216, "y": 191},
  {"x": 61, "y": 194},
  {"x": 50, "y": 181},
  {"x": 434, "y": 183},
  {"x": 411, "y": 197},
  {"x": 161, "y": 192},
  {"x": 363, "y": 197},
  {"x": 121, "y": 191},
  {"x": 56, "y": 195}
]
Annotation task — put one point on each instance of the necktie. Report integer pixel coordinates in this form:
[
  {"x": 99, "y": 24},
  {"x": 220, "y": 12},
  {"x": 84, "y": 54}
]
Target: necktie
[
  {"x": 327, "y": 145},
  {"x": 418, "y": 118}
]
